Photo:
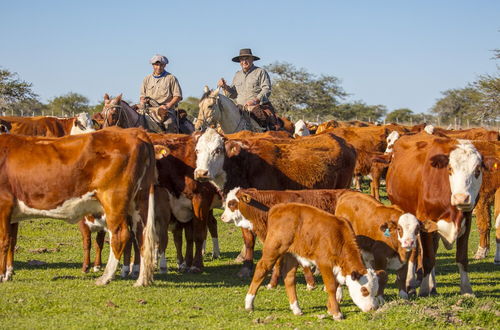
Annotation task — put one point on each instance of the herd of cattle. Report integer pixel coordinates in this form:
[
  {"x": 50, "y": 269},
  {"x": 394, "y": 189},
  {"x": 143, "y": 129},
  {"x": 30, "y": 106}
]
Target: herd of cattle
[{"x": 291, "y": 192}]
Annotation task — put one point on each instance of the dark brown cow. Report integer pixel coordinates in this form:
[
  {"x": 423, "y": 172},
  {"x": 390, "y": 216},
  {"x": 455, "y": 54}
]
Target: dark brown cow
[
  {"x": 374, "y": 164},
  {"x": 189, "y": 199},
  {"x": 437, "y": 179},
  {"x": 491, "y": 183},
  {"x": 318, "y": 161},
  {"x": 50, "y": 126},
  {"x": 111, "y": 171},
  {"x": 303, "y": 234}
]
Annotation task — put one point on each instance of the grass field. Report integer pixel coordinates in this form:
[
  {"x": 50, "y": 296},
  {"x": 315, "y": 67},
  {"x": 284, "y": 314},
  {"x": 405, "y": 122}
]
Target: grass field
[{"x": 49, "y": 291}]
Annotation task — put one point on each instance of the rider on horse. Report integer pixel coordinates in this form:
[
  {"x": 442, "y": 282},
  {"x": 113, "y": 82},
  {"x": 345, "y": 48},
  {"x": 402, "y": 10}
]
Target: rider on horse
[
  {"x": 161, "y": 92},
  {"x": 251, "y": 89}
]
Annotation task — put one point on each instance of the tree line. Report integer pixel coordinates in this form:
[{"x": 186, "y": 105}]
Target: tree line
[{"x": 297, "y": 94}]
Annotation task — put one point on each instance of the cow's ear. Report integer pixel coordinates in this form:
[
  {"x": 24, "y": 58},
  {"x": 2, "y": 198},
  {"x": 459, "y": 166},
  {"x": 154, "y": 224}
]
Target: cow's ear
[
  {"x": 161, "y": 151},
  {"x": 246, "y": 198},
  {"x": 440, "y": 161},
  {"x": 491, "y": 163},
  {"x": 233, "y": 148},
  {"x": 355, "y": 275},
  {"x": 428, "y": 226},
  {"x": 196, "y": 135}
]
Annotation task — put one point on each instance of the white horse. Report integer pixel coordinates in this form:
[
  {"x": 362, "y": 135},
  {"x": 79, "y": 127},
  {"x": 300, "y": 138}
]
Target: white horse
[{"x": 216, "y": 108}]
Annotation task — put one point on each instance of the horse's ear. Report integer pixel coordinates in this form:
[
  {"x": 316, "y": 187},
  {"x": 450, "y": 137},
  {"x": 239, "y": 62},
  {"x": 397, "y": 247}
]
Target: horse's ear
[
  {"x": 106, "y": 97},
  {"x": 206, "y": 89},
  {"x": 215, "y": 92},
  {"x": 119, "y": 98}
]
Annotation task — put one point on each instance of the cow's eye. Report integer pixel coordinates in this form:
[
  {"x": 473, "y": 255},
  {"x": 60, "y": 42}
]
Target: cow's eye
[{"x": 477, "y": 172}]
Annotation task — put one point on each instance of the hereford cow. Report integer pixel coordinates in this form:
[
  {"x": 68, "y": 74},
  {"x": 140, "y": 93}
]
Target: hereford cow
[
  {"x": 189, "y": 199},
  {"x": 110, "y": 171},
  {"x": 318, "y": 161},
  {"x": 50, "y": 126},
  {"x": 384, "y": 236},
  {"x": 303, "y": 234},
  {"x": 491, "y": 183},
  {"x": 437, "y": 179},
  {"x": 301, "y": 129}
]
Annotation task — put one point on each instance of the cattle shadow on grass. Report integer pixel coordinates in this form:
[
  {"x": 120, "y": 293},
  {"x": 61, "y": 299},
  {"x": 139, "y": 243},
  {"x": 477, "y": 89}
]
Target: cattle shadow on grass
[{"x": 18, "y": 265}]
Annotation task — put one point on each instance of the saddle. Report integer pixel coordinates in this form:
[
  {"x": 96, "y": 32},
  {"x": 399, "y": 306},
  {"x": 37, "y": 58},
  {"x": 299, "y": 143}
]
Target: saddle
[
  {"x": 166, "y": 121},
  {"x": 265, "y": 116}
]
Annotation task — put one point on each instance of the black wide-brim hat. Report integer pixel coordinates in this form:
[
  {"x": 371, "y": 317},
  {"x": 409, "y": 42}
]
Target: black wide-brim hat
[{"x": 245, "y": 52}]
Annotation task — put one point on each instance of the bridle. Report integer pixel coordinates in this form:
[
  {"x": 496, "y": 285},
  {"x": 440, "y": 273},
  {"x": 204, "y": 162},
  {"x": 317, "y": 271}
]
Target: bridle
[
  {"x": 216, "y": 110},
  {"x": 107, "y": 112}
]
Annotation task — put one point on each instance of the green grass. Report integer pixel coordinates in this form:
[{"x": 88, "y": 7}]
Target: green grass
[{"x": 58, "y": 295}]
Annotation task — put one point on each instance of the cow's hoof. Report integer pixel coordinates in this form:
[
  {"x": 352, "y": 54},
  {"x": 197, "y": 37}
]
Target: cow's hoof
[
  {"x": 215, "y": 255},
  {"x": 239, "y": 259},
  {"x": 96, "y": 269},
  {"x": 337, "y": 317},
  {"x": 271, "y": 286},
  {"x": 403, "y": 295},
  {"x": 163, "y": 270},
  {"x": 194, "y": 270},
  {"x": 134, "y": 275},
  {"x": 85, "y": 269},
  {"x": 310, "y": 287},
  {"x": 481, "y": 253},
  {"x": 183, "y": 267},
  {"x": 102, "y": 281}
]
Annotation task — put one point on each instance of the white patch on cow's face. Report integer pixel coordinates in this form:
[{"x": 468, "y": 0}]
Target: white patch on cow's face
[
  {"x": 83, "y": 124},
  {"x": 465, "y": 175},
  {"x": 364, "y": 291},
  {"x": 429, "y": 129},
  {"x": 232, "y": 213},
  {"x": 71, "y": 210},
  {"x": 408, "y": 227},
  {"x": 210, "y": 151},
  {"x": 391, "y": 139},
  {"x": 182, "y": 207},
  {"x": 301, "y": 128}
]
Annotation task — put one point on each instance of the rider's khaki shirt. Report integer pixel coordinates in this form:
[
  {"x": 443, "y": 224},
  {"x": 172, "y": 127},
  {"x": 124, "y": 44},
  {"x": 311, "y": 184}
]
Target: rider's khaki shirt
[
  {"x": 162, "y": 90},
  {"x": 255, "y": 84}
]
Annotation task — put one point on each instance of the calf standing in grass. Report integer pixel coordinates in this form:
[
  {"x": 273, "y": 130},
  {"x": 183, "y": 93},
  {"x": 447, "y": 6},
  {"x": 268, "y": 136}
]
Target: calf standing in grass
[{"x": 304, "y": 234}]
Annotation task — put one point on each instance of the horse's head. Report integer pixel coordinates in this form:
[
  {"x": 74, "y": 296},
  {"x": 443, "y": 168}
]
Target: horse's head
[
  {"x": 111, "y": 111},
  {"x": 210, "y": 113}
]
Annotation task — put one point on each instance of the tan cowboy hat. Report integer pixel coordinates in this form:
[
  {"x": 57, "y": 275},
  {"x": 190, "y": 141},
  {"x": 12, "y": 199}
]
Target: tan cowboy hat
[{"x": 245, "y": 52}]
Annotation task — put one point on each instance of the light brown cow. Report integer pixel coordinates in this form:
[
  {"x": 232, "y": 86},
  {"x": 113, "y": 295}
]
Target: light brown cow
[
  {"x": 50, "y": 126},
  {"x": 304, "y": 234},
  {"x": 111, "y": 171},
  {"x": 437, "y": 179}
]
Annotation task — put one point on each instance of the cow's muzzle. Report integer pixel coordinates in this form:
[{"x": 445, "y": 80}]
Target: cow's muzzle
[{"x": 201, "y": 175}]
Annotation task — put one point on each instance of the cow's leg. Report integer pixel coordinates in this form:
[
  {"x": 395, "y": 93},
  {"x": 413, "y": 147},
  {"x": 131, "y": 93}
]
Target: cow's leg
[
  {"x": 462, "y": 257},
  {"x": 87, "y": 244},
  {"x": 249, "y": 240},
  {"x": 119, "y": 235},
  {"x": 127, "y": 256},
  {"x": 430, "y": 243},
  {"x": 380, "y": 263},
  {"x": 331, "y": 287},
  {"x": 12, "y": 248},
  {"x": 401, "y": 275},
  {"x": 375, "y": 183},
  {"x": 275, "y": 276},
  {"x": 189, "y": 237},
  {"x": 177, "y": 233},
  {"x": 137, "y": 259},
  {"x": 309, "y": 277},
  {"x": 241, "y": 256},
  {"x": 290, "y": 265},
  {"x": 6, "y": 233},
  {"x": 356, "y": 181},
  {"x": 271, "y": 252},
  {"x": 162, "y": 244},
  {"x": 482, "y": 211},
  {"x": 212, "y": 228},
  {"x": 201, "y": 211},
  {"x": 99, "y": 244},
  {"x": 497, "y": 226}
]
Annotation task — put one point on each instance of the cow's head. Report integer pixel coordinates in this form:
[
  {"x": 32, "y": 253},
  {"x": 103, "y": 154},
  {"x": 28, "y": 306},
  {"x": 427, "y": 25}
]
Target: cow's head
[
  {"x": 301, "y": 129},
  {"x": 407, "y": 229},
  {"x": 232, "y": 212},
  {"x": 465, "y": 174},
  {"x": 83, "y": 124},
  {"x": 391, "y": 139},
  {"x": 364, "y": 289},
  {"x": 429, "y": 129}
]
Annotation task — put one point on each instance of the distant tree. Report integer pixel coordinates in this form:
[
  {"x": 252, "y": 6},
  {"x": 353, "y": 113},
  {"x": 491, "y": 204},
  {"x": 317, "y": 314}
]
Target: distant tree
[
  {"x": 69, "y": 104},
  {"x": 403, "y": 115},
  {"x": 360, "y": 111},
  {"x": 190, "y": 104},
  {"x": 13, "y": 92},
  {"x": 299, "y": 93},
  {"x": 488, "y": 107},
  {"x": 457, "y": 104}
]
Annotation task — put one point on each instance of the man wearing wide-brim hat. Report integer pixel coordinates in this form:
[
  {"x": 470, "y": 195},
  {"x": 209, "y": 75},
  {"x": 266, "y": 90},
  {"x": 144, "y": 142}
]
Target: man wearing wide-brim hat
[{"x": 251, "y": 88}]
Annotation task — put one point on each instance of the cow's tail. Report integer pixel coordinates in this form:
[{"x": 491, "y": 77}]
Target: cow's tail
[{"x": 148, "y": 246}]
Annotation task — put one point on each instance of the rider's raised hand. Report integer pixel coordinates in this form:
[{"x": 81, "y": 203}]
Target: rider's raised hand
[{"x": 222, "y": 83}]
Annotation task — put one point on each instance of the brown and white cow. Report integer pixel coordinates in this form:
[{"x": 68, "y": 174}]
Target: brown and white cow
[
  {"x": 303, "y": 234},
  {"x": 50, "y": 126},
  {"x": 111, "y": 171},
  {"x": 384, "y": 233},
  {"x": 189, "y": 199},
  {"x": 318, "y": 161},
  {"x": 437, "y": 179}
]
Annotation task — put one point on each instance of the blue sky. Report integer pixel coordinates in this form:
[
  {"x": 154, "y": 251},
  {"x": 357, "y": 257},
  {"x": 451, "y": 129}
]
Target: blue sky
[{"x": 395, "y": 53}]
